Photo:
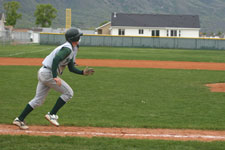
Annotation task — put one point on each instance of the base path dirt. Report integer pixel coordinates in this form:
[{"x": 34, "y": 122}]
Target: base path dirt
[
  {"x": 126, "y": 133},
  {"x": 216, "y": 87},
  {"x": 121, "y": 63}
]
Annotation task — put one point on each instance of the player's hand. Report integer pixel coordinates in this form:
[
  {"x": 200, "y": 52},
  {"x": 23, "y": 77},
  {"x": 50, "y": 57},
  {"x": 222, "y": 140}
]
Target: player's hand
[
  {"x": 88, "y": 71},
  {"x": 58, "y": 81}
]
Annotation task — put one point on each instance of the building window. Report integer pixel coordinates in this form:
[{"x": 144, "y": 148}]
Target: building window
[
  {"x": 167, "y": 32},
  {"x": 173, "y": 33},
  {"x": 179, "y": 33},
  {"x": 155, "y": 32},
  {"x": 141, "y": 31},
  {"x": 121, "y": 32}
]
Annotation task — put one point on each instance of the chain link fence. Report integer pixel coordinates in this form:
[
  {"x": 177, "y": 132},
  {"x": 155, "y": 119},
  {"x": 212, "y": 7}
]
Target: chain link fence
[
  {"x": 137, "y": 41},
  {"x": 5, "y": 37},
  {"x": 13, "y": 37}
]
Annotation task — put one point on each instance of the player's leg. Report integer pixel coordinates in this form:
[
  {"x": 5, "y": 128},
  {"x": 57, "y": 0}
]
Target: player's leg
[
  {"x": 67, "y": 94},
  {"x": 41, "y": 93}
]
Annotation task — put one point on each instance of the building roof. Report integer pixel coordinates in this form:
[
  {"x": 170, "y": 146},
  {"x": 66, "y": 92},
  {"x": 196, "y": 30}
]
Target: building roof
[
  {"x": 155, "y": 20},
  {"x": 20, "y": 29},
  {"x": 103, "y": 25}
]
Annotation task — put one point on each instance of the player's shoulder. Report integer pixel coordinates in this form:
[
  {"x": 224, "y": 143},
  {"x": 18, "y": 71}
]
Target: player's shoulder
[{"x": 67, "y": 45}]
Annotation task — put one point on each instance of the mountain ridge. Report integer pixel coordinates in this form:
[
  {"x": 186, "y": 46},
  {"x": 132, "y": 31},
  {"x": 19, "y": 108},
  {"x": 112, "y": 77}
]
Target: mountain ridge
[{"x": 89, "y": 14}]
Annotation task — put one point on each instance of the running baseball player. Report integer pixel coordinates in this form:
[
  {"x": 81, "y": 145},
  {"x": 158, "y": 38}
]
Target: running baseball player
[{"x": 48, "y": 77}]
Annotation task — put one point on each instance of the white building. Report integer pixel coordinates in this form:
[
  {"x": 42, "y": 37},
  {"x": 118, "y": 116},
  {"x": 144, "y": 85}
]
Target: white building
[
  {"x": 154, "y": 25},
  {"x": 2, "y": 24}
]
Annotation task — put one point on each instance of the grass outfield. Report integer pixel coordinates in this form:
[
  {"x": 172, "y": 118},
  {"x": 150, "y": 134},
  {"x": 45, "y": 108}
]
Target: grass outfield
[
  {"x": 117, "y": 97},
  {"x": 118, "y": 53},
  {"x": 69, "y": 143},
  {"x": 121, "y": 97}
]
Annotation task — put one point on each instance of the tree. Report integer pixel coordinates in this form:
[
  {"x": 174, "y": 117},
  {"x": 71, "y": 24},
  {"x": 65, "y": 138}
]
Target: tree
[
  {"x": 103, "y": 23},
  {"x": 44, "y": 14},
  {"x": 11, "y": 12},
  {"x": 219, "y": 34}
]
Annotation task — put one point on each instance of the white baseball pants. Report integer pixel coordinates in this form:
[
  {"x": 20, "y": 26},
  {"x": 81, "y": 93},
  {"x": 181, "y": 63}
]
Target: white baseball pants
[{"x": 45, "y": 83}]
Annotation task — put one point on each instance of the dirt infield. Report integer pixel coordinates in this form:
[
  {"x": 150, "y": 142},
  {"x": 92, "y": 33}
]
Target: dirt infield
[
  {"x": 128, "y": 133},
  {"x": 121, "y": 63}
]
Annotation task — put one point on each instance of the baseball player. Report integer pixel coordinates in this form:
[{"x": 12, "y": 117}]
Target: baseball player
[{"x": 48, "y": 77}]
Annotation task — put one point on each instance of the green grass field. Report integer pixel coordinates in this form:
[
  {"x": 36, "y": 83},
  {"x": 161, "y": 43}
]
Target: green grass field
[
  {"x": 122, "y": 97},
  {"x": 69, "y": 143},
  {"x": 118, "y": 97},
  {"x": 118, "y": 53}
]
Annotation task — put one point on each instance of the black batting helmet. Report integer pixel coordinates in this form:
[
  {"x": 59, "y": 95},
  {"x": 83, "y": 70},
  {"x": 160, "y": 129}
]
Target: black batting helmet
[{"x": 73, "y": 35}]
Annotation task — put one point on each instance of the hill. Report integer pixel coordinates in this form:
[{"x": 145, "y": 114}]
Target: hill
[{"x": 91, "y": 13}]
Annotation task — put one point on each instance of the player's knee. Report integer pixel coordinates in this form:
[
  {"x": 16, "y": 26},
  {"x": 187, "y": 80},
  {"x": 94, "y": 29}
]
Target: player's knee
[
  {"x": 67, "y": 96},
  {"x": 35, "y": 104},
  {"x": 70, "y": 95}
]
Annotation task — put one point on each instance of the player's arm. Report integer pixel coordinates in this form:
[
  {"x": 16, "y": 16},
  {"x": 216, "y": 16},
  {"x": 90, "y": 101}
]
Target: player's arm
[
  {"x": 87, "y": 71},
  {"x": 73, "y": 69},
  {"x": 62, "y": 54}
]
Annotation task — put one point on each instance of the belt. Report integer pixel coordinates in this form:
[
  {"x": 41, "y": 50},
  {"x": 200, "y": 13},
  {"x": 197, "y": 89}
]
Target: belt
[{"x": 46, "y": 67}]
